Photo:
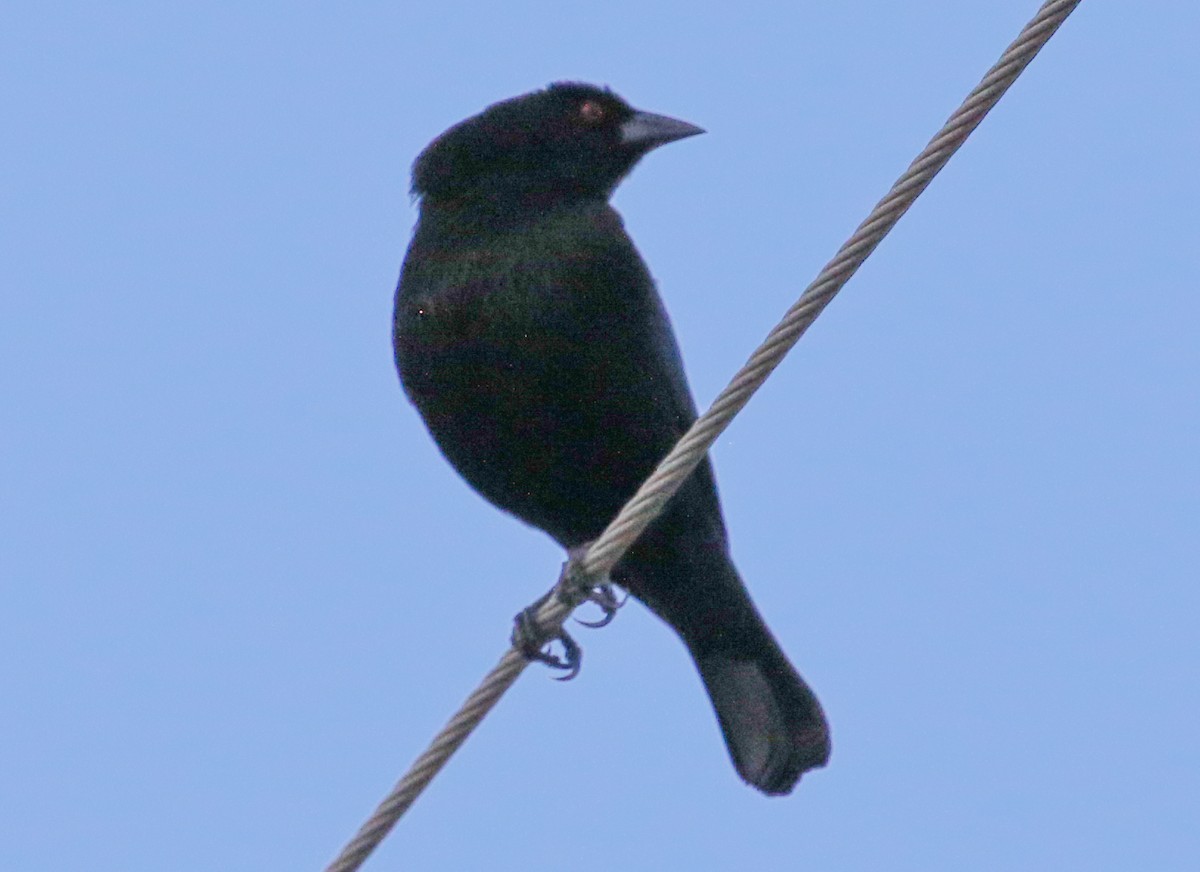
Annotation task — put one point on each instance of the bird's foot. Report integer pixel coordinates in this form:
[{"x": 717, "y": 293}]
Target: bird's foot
[
  {"x": 535, "y": 643},
  {"x": 573, "y": 588}
]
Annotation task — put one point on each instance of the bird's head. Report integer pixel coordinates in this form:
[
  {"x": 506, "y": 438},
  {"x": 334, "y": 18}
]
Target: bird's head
[{"x": 565, "y": 142}]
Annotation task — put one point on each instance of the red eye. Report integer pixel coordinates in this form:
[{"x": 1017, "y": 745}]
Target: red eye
[{"x": 591, "y": 112}]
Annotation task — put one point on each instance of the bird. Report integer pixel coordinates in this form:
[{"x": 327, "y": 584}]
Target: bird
[{"x": 530, "y": 336}]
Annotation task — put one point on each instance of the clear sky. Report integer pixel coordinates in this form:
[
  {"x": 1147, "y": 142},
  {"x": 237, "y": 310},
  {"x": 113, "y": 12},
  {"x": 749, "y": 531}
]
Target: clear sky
[{"x": 241, "y": 589}]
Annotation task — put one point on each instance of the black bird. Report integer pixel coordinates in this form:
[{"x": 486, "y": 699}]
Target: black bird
[{"x": 529, "y": 335}]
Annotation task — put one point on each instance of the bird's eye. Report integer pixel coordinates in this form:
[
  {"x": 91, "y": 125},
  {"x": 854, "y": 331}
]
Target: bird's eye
[{"x": 591, "y": 112}]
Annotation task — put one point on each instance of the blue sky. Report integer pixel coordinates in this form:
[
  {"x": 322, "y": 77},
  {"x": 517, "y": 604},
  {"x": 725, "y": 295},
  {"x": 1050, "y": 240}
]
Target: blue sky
[{"x": 241, "y": 590}]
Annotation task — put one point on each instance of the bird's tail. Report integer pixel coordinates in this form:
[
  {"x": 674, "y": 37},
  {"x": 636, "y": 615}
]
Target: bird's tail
[{"x": 772, "y": 723}]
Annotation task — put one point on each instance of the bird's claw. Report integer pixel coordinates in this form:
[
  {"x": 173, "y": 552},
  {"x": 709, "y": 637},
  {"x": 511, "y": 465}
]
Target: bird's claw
[
  {"x": 534, "y": 644},
  {"x": 605, "y": 596}
]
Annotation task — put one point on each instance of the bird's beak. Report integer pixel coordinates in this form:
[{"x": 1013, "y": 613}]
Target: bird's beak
[{"x": 646, "y": 130}]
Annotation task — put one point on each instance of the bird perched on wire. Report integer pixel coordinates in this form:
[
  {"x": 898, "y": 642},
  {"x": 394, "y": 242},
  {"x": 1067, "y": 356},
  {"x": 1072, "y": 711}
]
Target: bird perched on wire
[{"x": 529, "y": 335}]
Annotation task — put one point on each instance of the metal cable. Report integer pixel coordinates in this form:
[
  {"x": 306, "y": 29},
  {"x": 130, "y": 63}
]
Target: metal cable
[{"x": 649, "y": 501}]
